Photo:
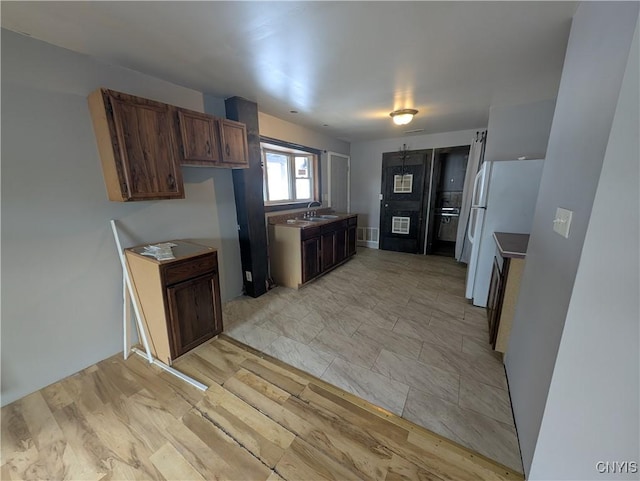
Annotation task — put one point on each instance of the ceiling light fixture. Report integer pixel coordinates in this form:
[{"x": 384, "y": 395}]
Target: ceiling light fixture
[{"x": 403, "y": 117}]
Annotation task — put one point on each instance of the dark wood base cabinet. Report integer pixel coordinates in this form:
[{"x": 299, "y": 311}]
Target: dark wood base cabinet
[
  {"x": 179, "y": 298},
  {"x": 494, "y": 301},
  {"x": 299, "y": 255},
  {"x": 503, "y": 296}
]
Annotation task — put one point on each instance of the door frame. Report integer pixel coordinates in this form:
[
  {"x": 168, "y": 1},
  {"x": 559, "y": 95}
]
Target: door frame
[
  {"x": 329, "y": 154},
  {"x": 436, "y": 171}
]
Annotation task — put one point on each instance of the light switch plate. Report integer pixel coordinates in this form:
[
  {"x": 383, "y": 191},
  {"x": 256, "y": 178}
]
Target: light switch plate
[{"x": 562, "y": 222}]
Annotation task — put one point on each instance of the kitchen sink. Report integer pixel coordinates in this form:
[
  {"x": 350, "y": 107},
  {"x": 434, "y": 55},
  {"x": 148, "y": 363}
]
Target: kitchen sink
[{"x": 329, "y": 216}]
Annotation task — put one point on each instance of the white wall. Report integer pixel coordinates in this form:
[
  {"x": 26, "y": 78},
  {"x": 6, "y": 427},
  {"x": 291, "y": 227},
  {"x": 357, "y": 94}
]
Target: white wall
[
  {"x": 289, "y": 132},
  {"x": 595, "y": 62},
  {"x": 592, "y": 412},
  {"x": 522, "y": 130},
  {"x": 61, "y": 279},
  {"x": 366, "y": 167}
]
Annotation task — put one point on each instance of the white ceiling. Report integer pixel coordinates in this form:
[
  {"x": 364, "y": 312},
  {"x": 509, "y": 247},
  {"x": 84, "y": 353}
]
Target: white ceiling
[{"x": 343, "y": 64}]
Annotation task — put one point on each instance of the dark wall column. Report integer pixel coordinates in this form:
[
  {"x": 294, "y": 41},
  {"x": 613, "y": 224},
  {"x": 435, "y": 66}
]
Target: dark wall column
[{"x": 248, "y": 190}]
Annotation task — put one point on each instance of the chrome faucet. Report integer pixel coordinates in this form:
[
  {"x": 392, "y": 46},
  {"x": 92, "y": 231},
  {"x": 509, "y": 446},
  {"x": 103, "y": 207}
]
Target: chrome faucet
[{"x": 314, "y": 202}]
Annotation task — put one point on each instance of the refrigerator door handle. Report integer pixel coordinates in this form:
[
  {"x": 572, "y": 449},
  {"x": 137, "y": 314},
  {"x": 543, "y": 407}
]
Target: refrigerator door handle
[
  {"x": 472, "y": 224},
  {"x": 475, "y": 201}
]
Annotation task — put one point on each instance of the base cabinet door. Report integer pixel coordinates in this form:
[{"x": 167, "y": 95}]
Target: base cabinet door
[
  {"x": 351, "y": 240},
  {"x": 328, "y": 250},
  {"x": 310, "y": 258},
  {"x": 340, "y": 245},
  {"x": 194, "y": 312},
  {"x": 494, "y": 301}
]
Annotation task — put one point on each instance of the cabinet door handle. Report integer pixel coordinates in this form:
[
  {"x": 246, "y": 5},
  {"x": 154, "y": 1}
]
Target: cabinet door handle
[
  {"x": 227, "y": 150},
  {"x": 172, "y": 181},
  {"x": 208, "y": 146}
]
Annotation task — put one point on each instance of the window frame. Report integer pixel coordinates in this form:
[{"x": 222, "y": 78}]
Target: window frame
[{"x": 291, "y": 151}]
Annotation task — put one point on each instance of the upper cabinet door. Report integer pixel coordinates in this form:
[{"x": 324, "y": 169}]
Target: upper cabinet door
[
  {"x": 233, "y": 142},
  {"x": 146, "y": 147},
  {"x": 137, "y": 147},
  {"x": 198, "y": 138}
]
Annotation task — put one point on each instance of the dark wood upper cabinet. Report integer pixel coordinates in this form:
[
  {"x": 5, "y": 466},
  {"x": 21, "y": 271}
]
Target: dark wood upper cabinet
[
  {"x": 198, "y": 138},
  {"x": 137, "y": 147},
  {"x": 233, "y": 143},
  {"x": 142, "y": 144}
]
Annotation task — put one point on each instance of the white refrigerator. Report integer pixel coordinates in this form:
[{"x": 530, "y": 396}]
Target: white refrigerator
[{"x": 504, "y": 200}]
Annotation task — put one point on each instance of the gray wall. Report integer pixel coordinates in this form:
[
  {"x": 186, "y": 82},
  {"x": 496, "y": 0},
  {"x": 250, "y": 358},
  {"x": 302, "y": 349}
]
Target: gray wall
[
  {"x": 366, "y": 167},
  {"x": 595, "y": 62},
  {"x": 519, "y": 130},
  {"x": 290, "y": 132},
  {"x": 592, "y": 411},
  {"x": 61, "y": 278}
]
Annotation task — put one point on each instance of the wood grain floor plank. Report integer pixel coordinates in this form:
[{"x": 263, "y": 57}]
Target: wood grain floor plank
[
  {"x": 81, "y": 437},
  {"x": 254, "y": 420},
  {"x": 224, "y": 357},
  {"x": 348, "y": 444},
  {"x": 126, "y": 382},
  {"x": 81, "y": 388},
  {"x": 258, "y": 445},
  {"x": 148, "y": 377},
  {"x": 56, "y": 396},
  {"x": 202, "y": 370},
  {"x": 304, "y": 462},
  {"x": 173, "y": 466},
  {"x": 239, "y": 463},
  {"x": 352, "y": 412},
  {"x": 366, "y": 460},
  {"x": 275, "y": 376},
  {"x": 131, "y": 455},
  {"x": 40, "y": 421},
  {"x": 260, "y": 385},
  {"x": 15, "y": 435},
  {"x": 402, "y": 470},
  {"x": 462, "y": 456},
  {"x": 127, "y": 420}
]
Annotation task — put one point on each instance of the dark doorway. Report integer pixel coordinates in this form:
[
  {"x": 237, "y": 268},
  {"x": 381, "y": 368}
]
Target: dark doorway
[
  {"x": 449, "y": 169},
  {"x": 404, "y": 177}
]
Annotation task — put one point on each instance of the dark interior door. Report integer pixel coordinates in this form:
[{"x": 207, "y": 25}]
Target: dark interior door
[{"x": 401, "y": 206}]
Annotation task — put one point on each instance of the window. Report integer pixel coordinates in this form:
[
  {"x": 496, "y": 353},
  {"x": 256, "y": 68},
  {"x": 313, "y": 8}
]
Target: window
[
  {"x": 289, "y": 175},
  {"x": 402, "y": 184},
  {"x": 400, "y": 225}
]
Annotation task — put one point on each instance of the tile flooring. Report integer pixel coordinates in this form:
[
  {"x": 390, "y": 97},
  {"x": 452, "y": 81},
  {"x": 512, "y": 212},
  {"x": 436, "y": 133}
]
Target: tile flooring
[{"x": 396, "y": 330}]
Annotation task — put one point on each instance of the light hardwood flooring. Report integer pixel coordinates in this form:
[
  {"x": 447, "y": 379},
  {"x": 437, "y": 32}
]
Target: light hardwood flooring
[
  {"x": 259, "y": 420},
  {"x": 396, "y": 330}
]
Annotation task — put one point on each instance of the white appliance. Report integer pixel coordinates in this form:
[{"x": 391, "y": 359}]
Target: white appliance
[{"x": 504, "y": 200}]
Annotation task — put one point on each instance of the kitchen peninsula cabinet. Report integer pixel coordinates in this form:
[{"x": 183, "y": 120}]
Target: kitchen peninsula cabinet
[
  {"x": 508, "y": 266},
  {"x": 179, "y": 298},
  {"x": 137, "y": 147},
  {"x": 302, "y": 250}
]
